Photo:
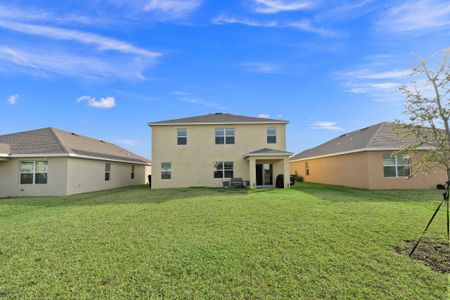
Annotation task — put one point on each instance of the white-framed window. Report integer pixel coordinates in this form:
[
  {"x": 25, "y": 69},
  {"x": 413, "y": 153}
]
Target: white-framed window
[
  {"x": 107, "y": 171},
  {"x": 166, "y": 171},
  {"x": 224, "y": 136},
  {"x": 396, "y": 166},
  {"x": 307, "y": 168},
  {"x": 181, "y": 136},
  {"x": 132, "y": 171},
  {"x": 223, "y": 169},
  {"x": 271, "y": 135},
  {"x": 33, "y": 172}
]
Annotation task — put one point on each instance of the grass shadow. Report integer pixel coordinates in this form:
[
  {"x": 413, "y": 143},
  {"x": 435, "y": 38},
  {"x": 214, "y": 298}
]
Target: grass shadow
[
  {"x": 133, "y": 194},
  {"x": 348, "y": 194}
]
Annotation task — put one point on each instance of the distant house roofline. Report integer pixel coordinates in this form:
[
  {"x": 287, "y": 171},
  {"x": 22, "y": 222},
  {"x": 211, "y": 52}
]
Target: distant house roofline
[
  {"x": 53, "y": 142},
  {"x": 217, "y": 119}
]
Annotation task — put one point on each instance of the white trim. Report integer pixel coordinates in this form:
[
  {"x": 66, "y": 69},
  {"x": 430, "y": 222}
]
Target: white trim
[
  {"x": 75, "y": 156},
  {"x": 4, "y": 155},
  {"x": 214, "y": 123},
  {"x": 267, "y": 154},
  {"x": 356, "y": 151}
]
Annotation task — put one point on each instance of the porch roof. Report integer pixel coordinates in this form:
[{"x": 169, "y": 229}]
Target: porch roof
[{"x": 267, "y": 152}]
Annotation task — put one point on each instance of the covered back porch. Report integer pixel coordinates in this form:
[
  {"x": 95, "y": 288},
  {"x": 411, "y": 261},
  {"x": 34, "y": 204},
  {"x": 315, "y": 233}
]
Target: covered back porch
[{"x": 265, "y": 165}]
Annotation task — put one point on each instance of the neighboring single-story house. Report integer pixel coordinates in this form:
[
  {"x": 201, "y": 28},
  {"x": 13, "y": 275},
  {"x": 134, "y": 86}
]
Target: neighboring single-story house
[
  {"x": 53, "y": 162},
  {"x": 209, "y": 150},
  {"x": 364, "y": 159}
]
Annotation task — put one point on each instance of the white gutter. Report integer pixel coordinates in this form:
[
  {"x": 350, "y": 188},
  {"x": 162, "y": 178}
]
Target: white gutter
[
  {"x": 215, "y": 123},
  {"x": 356, "y": 151},
  {"x": 77, "y": 156}
]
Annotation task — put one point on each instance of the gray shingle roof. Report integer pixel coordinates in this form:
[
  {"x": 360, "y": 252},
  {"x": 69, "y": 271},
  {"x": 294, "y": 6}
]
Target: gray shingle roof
[
  {"x": 267, "y": 151},
  {"x": 217, "y": 118},
  {"x": 378, "y": 136},
  {"x": 4, "y": 148},
  {"x": 55, "y": 141}
]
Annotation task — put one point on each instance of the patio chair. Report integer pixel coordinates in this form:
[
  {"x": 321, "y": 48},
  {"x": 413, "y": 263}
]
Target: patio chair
[{"x": 237, "y": 182}]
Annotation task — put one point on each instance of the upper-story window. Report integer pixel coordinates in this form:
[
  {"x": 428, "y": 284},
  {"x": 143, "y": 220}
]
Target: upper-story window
[
  {"x": 181, "y": 136},
  {"x": 396, "y": 166},
  {"x": 33, "y": 172},
  {"x": 224, "y": 136},
  {"x": 271, "y": 135}
]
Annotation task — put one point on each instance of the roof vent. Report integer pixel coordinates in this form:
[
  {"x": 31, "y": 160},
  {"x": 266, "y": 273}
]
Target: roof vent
[
  {"x": 342, "y": 135},
  {"x": 102, "y": 141},
  {"x": 218, "y": 113},
  {"x": 74, "y": 134},
  {"x": 364, "y": 129}
]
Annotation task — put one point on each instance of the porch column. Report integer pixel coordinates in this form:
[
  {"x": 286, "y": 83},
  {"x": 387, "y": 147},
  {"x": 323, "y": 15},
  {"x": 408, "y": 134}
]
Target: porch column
[
  {"x": 287, "y": 173},
  {"x": 252, "y": 166}
]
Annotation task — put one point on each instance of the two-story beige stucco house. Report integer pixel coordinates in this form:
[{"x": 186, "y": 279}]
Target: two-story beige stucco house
[
  {"x": 207, "y": 150},
  {"x": 54, "y": 162}
]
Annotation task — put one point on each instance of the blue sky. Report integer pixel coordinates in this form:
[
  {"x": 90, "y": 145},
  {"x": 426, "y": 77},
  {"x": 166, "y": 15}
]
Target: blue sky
[{"x": 106, "y": 68}]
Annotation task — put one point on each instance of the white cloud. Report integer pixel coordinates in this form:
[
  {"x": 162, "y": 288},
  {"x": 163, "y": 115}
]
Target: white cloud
[
  {"x": 266, "y": 116},
  {"x": 392, "y": 74},
  {"x": 301, "y": 25},
  {"x": 12, "y": 99},
  {"x": 32, "y": 14},
  {"x": 188, "y": 98},
  {"x": 416, "y": 16},
  {"x": 364, "y": 88},
  {"x": 326, "y": 125},
  {"x": 106, "y": 102},
  {"x": 260, "y": 67},
  {"x": 308, "y": 26},
  {"x": 101, "y": 42},
  {"x": 276, "y": 6},
  {"x": 42, "y": 61},
  {"x": 172, "y": 8},
  {"x": 223, "y": 20}
]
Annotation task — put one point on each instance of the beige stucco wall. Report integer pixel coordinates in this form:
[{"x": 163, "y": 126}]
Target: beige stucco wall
[
  {"x": 347, "y": 170},
  {"x": 69, "y": 176},
  {"x": 362, "y": 170},
  {"x": 86, "y": 175},
  {"x": 10, "y": 179},
  {"x": 192, "y": 164}
]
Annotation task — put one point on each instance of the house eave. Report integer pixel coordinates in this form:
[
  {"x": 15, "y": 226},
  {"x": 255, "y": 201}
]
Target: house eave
[
  {"x": 72, "y": 155},
  {"x": 373, "y": 149},
  {"x": 215, "y": 123}
]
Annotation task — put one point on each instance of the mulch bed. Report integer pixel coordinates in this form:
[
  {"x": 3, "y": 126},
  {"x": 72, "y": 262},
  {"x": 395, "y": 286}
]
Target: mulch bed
[{"x": 434, "y": 254}]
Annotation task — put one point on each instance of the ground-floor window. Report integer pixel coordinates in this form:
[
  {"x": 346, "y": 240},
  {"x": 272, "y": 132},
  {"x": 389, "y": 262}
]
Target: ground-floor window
[
  {"x": 307, "y": 168},
  {"x": 223, "y": 169},
  {"x": 107, "y": 171},
  {"x": 396, "y": 166},
  {"x": 166, "y": 171},
  {"x": 132, "y": 172},
  {"x": 33, "y": 172}
]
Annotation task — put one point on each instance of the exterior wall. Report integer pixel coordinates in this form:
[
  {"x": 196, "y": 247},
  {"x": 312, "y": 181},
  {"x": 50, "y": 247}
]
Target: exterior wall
[
  {"x": 68, "y": 176},
  {"x": 362, "y": 170},
  {"x": 417, "y": 181},
  {"x": 347, "y": 170},
  {"x": 192, "y": 164},
  {"x": 87, "y": 175},
  {"x": 10, "y": 178}
]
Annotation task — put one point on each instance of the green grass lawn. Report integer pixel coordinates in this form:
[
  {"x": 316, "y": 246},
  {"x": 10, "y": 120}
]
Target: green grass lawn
[{"x": 309, "y": 242}]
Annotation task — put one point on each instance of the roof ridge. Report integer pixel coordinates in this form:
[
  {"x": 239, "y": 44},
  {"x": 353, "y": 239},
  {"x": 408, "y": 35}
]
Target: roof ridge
[
  {"x": 60, "y": 142},
  {"x": 375, "y": 133}
]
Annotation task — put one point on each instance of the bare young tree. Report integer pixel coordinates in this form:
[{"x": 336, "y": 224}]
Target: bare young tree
[{"x": 427, "y": 112}]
